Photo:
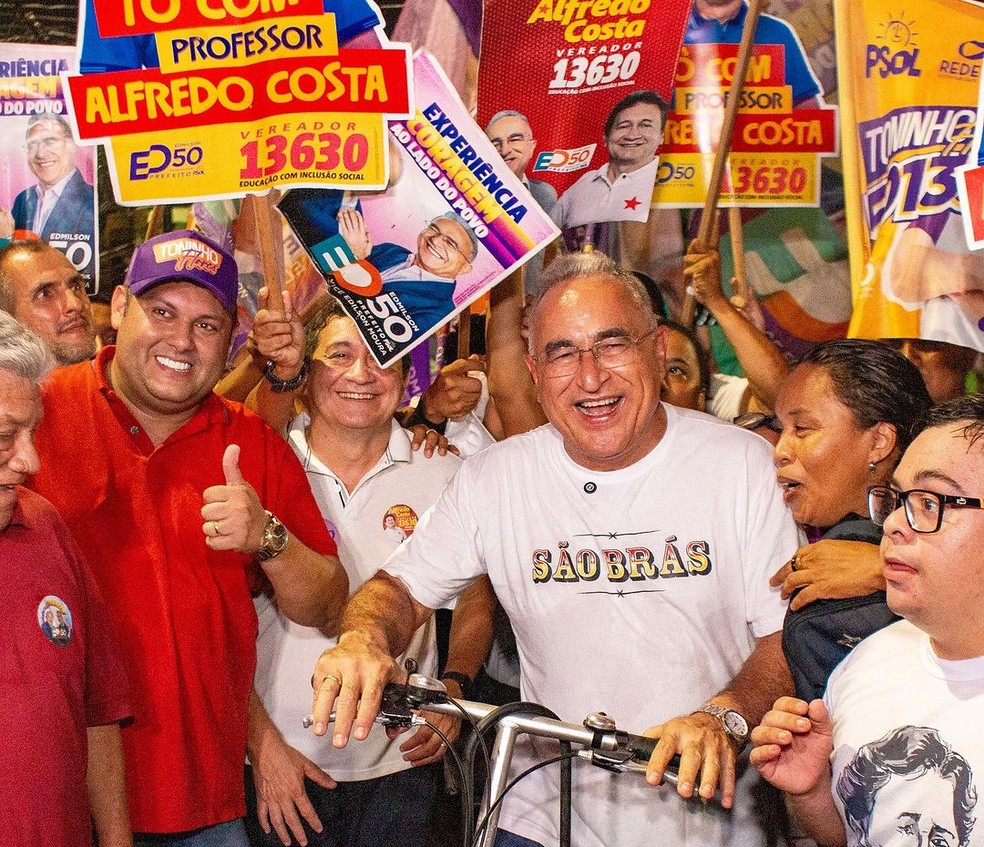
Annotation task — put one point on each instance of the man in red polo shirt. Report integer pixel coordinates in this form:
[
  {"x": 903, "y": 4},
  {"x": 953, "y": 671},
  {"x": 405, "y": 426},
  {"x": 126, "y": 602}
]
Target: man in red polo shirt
[
  {"x": 183, "y": 502},
  {"x": 63, "y": 691}
]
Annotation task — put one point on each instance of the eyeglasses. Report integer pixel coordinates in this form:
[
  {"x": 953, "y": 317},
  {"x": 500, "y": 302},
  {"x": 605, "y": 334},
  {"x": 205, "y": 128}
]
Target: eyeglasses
[
  {"x": 445, "y": 240},
  {"x": 923, "y": 509},
  {"x": 513, "y": 140},
  {"x": 614, "y": 352},
  {"x": 51, "y": 142},
  {"x": 753, "y": 420}
]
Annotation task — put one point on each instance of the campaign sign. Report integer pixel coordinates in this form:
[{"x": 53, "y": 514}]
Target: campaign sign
[
  {"x": 200, "y": 100},
  {"x": 453, "y": 222},
  {"x": 47, "y": 184}
]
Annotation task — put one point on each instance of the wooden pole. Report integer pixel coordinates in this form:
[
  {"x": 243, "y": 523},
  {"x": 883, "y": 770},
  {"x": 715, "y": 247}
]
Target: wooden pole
[
  {"x": 464, "y": 333},
  {"x": 155, "y": 222},
  {"x": 724, "y": 142},
  {"x": 739, "y": 283},
  {"x": 268, "y": 231}
]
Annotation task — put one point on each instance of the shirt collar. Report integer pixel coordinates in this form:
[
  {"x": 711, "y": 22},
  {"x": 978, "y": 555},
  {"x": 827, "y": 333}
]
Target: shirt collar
[{"x": 57, "y": 188}]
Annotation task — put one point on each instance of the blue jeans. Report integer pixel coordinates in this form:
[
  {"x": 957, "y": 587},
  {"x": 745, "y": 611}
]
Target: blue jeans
[
  {"x": 390, "y": 811},
  {"x": 507, "y": 839},
  {"x": 232, "y": 834}
]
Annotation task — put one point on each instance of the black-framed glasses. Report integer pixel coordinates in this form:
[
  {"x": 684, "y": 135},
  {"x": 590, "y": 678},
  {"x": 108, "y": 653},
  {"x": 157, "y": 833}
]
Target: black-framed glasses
[
  {"x": 616, "y": 351},
  {"x": 753, "y": 420},
  {"x": 923, "y": 509}
]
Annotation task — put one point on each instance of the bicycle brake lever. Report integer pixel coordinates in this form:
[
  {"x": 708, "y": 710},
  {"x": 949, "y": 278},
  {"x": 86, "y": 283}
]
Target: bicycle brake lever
[{"x": 620, "y": 761}]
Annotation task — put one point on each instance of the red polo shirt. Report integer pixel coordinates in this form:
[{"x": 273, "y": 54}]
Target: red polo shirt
[
  {"x": 61, "y": 673},
  {"x": 183, "y": 612}
]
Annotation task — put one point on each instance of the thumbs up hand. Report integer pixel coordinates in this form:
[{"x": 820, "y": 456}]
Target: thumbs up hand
[{"x": 234, "y": 518}]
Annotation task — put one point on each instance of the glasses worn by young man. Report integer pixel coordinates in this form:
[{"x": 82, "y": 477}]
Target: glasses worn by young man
[{"x": 923, "y": 509}]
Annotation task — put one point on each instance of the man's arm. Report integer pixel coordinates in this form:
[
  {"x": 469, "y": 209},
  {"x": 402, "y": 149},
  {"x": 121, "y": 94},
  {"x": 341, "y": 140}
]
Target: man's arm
[
  {"x": 377, "y": 625},
  {"x": 470, "y": 640},
  {"x": 106, "y": 784},
  {"x": 278, "y": 777},
  {"x": 792, "y": 748},
  {"x": 699, "y": 738},
  {"x": 310, "y": 588},
  {"x": 510, "y": 383},
  {"x": 759, "y": 357},
  {"x": 279, "y": 338}
]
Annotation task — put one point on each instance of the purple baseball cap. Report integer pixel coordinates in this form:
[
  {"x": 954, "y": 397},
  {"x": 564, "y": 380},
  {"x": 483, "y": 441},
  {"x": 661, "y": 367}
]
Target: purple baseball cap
[{"x": 185, "y": 256}]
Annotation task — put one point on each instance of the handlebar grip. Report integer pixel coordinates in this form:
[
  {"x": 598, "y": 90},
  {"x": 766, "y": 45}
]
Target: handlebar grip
[{"x": 642, "y": 747}]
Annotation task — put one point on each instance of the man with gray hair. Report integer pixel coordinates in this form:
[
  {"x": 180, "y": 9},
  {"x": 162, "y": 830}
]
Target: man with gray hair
[
  {"x": 630, "y": 544},
  {"x": 62, "y": 677},
  {"x": 45, "y": 292},
  {"x": 510, "y": 134},
  {"x": 422, "y": 281}
]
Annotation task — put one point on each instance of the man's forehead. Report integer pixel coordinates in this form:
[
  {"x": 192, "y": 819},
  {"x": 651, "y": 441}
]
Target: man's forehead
[
  {"x": 582, "y": 298},
  {"x": 20, "y": 400},
  {"x": 508, "y": 125},
  {"x": 944, "y": 450},
  {"x": 452, "y": 228},
  {"x": 172, "y": 290},
  {"x": 27, "y": 268},
  {"x": 637, "y": 113},
  {"x": 42, "y": 127}
]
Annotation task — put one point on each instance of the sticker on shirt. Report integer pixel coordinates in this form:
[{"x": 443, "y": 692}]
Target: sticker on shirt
[
  {"x": 399, "y": 523},
  {"x": 55, "y": 620},
  {"x": 332, "y": 530}
]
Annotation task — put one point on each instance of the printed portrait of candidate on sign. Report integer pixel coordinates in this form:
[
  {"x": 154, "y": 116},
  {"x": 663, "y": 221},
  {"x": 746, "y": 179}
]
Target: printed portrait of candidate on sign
[
  {"x": 46, "y": 182},
  {"x": 453, "y": 221}
]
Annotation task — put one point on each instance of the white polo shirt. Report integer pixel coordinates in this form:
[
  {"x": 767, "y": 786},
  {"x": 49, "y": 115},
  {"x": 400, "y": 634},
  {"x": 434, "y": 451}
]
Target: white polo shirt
[
  {"x": 403, "y": 485},
  {"x": 594, "y": 198}
]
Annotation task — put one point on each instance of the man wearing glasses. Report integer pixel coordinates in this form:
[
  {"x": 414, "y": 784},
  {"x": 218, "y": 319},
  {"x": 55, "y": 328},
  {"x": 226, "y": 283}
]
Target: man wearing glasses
[
  {"x": 924, "y": 673},
  {"x": 423, "y": 281},
  {"x": 511, "y": 135},
  {"x": 62, "y": 201},
  {"x": 629, "y": 542}
]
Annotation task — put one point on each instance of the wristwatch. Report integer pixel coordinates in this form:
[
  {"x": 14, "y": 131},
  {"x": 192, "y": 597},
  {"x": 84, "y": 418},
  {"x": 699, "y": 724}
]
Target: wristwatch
[
  {"x": 285, "y": 386},
  {"x": 734, "y": 722},
  {"x": 275, "y": 537}
]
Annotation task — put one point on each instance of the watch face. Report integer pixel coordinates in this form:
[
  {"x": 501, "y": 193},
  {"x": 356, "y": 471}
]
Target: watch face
[{"x": 736, "y": 724}]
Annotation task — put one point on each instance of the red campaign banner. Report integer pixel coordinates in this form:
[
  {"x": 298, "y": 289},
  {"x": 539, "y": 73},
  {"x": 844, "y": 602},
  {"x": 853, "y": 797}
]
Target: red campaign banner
[
  {"x": 802, "y": 131},
  {"x": 144, "y": 17},
  {"x": 360, "y": 81},
  {"x": 973, "y": 206},
  {"x": 564, "y": 64}
]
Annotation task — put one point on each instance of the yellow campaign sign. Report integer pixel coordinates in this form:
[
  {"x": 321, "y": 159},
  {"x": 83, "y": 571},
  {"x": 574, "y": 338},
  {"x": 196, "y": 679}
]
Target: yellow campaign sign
[
  {"x": 908, "y": 89},
  {"x": 296, "y": 149},
  {"x": 750, "y": 180},
  {"x": 235, "y": 46},
  {"x": 776, "y": 99}
]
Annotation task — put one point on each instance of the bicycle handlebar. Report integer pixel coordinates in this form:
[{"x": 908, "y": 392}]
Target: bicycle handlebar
[{"x": 604, "y": 744}]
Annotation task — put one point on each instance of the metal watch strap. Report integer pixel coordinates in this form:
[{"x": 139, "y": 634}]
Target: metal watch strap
[
  {"x": 721, "y": 714},
  {"x": 275, "y": 538}
]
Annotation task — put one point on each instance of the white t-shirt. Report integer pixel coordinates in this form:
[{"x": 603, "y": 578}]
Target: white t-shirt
[
  {"x": 637, "y": 592},
  {"x": 894, "y": 697},
  {"x": 727, "y": 392},
  {"x": 403, "y": 484},
  {"x": 596, "y": 199}
]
